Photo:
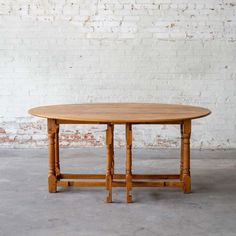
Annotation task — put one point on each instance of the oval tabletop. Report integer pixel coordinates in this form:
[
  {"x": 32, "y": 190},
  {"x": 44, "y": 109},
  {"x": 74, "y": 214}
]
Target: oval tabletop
[{"x": 120, "y": 112}]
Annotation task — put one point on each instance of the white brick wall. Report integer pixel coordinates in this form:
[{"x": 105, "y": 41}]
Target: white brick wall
[{"x": 168, "y": 51}]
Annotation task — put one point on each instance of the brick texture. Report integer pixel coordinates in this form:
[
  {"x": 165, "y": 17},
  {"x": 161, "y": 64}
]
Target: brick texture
[{"x": 168, "y": 51}]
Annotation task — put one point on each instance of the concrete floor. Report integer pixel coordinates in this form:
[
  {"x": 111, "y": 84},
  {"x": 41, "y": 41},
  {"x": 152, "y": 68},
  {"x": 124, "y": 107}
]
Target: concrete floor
[{"x": 26, "y": 208}]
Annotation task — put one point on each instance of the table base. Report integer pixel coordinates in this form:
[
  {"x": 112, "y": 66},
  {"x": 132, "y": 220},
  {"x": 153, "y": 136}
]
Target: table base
[{"x": 112, "y": 179}]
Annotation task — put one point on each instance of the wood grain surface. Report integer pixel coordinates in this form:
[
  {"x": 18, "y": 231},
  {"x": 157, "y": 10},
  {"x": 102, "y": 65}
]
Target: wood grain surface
[{"x": 119, "y": 113}]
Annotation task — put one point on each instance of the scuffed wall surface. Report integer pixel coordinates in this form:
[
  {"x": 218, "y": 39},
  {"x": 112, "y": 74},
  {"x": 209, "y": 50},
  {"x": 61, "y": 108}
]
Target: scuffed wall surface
[{"x": 117, "y": 51}]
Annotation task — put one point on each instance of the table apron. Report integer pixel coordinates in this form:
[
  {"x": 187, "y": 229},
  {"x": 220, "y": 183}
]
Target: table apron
[{"x": 59, "y": 121}]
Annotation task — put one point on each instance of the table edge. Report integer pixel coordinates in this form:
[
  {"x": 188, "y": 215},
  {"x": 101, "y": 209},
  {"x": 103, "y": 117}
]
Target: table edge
[{"x": 91, "y": 121}]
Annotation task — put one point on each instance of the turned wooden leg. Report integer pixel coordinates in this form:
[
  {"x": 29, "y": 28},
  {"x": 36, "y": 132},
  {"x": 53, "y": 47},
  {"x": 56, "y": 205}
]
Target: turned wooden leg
[
  {"x": 129, "y": 163},
  {"x": 181, "y": 152},
  {"x": 186, "y": 156},
  {"x": 52, "y": 183},
  {"x": 112, "y": 153},
  {"x": 109, "y": 137},
  {"x": 57, "y": 158}
]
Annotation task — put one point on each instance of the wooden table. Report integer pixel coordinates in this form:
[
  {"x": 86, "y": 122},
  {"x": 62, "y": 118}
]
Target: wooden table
[{"x": 119, "y": 113}]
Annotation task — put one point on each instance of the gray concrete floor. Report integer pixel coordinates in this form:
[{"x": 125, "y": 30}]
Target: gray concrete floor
[{"x": 26, "y": 208}]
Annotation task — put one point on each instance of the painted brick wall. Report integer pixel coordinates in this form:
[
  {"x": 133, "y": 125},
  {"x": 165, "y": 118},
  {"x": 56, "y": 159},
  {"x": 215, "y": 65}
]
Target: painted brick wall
[{"x": 170, "y": 51}]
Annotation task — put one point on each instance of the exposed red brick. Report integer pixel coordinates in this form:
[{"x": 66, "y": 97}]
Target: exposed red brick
[{"x": 2, "y": 131}]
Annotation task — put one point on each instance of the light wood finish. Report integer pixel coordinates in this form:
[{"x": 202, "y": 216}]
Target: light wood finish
[
  {"x": 57, "y": 159},
  {"x": 173, "y": 184},
  {"x": 128, "y": 163},
  {"x": 186, "y": 156},
  {"x": 119, "y": 113},
  {"x": 112, "y": 152},
  {"x": 181, "y": 151},
  {"x": 80, "y": 184},
  {"x": 60, "y": 121},
  {"x": 52, "y": 128},
  {"x": 118, "y": 176},
  {"x": 109, "y": 176},
  {"x": 157, "y": 184}
]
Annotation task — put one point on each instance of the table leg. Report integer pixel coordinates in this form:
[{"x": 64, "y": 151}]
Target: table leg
[
  {"x": 109, "y": 141},
  {"x": 112, "y": 153},
  {"x": 129, "y": 163},
  {"x": 181, "y": 151},
  {"x": 186, "y": 156},
  {"x": 52, "y": 185},
  {"x": 57, "y": 158}
]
